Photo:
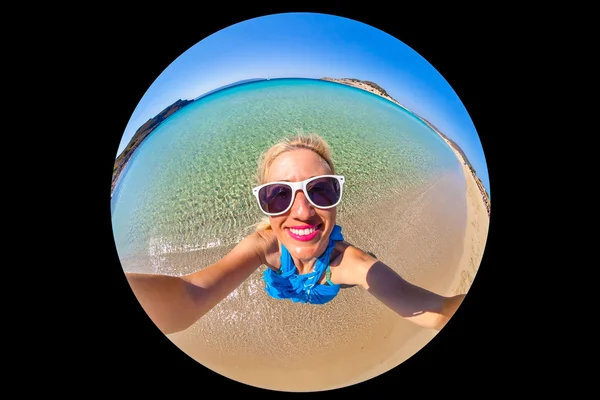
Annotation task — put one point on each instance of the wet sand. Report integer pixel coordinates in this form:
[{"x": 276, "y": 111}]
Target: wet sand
[
  {"x": 476, "y": 233},
  {"x": 437, "y": 243},
  {"x": 433, "y": 235}
]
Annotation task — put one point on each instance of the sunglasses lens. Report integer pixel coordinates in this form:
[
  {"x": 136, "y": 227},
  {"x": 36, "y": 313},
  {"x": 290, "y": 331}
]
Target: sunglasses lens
[
  {"x": 275, "y": 198},
  {"x": 324, "y": 192}
]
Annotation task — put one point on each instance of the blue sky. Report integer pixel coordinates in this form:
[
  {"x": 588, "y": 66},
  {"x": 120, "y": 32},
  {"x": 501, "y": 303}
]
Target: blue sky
[{"x": 313, "y": 45}]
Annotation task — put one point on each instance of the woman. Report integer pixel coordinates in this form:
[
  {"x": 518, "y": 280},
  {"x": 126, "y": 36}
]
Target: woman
[{"x": 299, "y": 242}]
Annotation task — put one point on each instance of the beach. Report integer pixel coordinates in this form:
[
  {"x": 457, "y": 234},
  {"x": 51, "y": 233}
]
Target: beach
[
  {"x": 478, "y": 202},
  {"x": 476, "y": 232},
  {"x": 430, "y": 226},
  {"x": 281, "y": 345}
]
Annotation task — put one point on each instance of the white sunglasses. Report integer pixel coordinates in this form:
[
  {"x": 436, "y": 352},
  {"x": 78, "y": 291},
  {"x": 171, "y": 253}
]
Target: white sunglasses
[{"x": 323, "y": 191}]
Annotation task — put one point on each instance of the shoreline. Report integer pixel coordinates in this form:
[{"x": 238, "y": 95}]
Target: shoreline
[
  {"x": 376, "y": 89},
  {"x": 476, "y": 234},
  {"x": 122, "y": 159},
  {"x": 238, "y": 321},
  {"x": 357, "y": 337},
  {"x": 477, "y": 199}
]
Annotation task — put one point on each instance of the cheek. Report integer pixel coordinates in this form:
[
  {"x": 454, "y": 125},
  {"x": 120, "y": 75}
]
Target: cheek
[
  {"x": 328, "y": 215},
  {"x": 276, "y": 222}
]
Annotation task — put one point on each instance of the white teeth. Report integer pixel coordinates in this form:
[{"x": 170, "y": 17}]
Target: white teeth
[{"x": 302, "y": 232}]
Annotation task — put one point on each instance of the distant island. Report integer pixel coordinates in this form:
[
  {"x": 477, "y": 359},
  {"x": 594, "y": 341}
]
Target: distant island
[
  {"x": 237, "y": 83},
  {"x": 143, "y": 132}
]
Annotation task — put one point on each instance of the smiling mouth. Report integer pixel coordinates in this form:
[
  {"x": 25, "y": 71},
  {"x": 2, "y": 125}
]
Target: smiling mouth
[{"x": 304, "y": 233}]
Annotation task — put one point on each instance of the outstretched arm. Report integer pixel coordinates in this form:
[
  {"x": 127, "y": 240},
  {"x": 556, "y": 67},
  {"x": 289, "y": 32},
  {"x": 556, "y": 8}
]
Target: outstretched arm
[
  {"x": 175, "y": 303},
  {"x": 412, "y": 302}
]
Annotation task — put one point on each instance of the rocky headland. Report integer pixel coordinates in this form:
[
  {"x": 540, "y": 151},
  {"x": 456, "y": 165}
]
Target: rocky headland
[{"x": 139, "y": 136}]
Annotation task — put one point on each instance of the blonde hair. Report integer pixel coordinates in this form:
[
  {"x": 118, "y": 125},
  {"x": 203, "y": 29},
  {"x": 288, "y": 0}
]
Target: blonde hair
[{"x": 309, "y": 141}]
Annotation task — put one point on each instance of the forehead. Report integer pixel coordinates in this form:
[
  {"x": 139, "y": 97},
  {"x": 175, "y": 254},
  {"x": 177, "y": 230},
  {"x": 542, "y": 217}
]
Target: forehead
[{"x": 297, "y": 165}]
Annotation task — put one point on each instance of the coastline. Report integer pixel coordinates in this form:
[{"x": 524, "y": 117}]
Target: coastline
[
  {"x": 376, "y": 89},
  {"x": 140, "y": 135},
  {"x": 260, "y": 341},
  {"x": 476, "y": 234},
  {"x": 477, "y": 199},
  {"x": 145, "y": 130},
  {"x": 238, "y": 322}
]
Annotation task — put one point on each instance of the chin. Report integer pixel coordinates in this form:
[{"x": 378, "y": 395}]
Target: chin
[
  {"x": 303, "y": 255},
  {"x": 306, "y": 251}
]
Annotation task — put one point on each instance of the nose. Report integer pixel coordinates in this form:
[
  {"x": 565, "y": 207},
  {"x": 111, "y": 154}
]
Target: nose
[{"x": 301, "y": 207}]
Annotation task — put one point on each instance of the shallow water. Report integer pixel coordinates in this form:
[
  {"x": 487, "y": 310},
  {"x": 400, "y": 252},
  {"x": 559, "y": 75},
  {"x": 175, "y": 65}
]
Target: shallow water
[{"x": 188, "y": 186}]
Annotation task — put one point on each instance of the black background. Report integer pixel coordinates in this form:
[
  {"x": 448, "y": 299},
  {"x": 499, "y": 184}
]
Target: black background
[{"x": 120, "y": 350}]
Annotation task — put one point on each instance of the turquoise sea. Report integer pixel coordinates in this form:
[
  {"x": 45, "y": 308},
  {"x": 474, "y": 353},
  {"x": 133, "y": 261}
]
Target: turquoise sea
[{"x": 188, "y": 186}]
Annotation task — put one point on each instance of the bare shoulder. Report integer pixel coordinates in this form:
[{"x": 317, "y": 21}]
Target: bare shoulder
[
  {"x": 350, "y": 264},
  {"x": 353, "y": 252}
]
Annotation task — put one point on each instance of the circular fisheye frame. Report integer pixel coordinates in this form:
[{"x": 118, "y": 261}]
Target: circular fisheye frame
[{"x": 415, "y": 203}]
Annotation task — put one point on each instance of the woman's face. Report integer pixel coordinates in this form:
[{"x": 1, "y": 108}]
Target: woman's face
[{"x": 294, "y": 166}]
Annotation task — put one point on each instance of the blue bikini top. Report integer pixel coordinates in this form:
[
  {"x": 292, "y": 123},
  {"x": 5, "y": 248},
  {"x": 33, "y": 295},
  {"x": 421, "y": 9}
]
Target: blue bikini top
[{"x": 286, "y": 283}]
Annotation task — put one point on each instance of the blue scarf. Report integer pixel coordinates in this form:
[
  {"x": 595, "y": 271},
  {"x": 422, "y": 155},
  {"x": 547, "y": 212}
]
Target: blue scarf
[{"x": 287, "y": 284}]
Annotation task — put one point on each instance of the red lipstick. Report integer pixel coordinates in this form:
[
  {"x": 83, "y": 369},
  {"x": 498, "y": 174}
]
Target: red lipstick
[{"x": 303, "y": 233}]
